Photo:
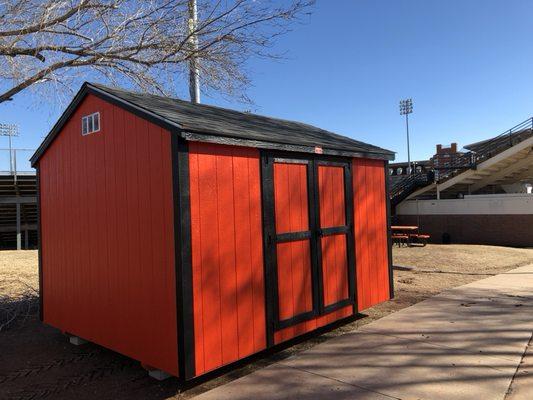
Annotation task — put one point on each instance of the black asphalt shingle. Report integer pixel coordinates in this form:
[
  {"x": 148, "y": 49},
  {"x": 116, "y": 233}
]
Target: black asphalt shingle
[
  {"x": 212, "y": 120},
  {"x": 201, "y": 119}
]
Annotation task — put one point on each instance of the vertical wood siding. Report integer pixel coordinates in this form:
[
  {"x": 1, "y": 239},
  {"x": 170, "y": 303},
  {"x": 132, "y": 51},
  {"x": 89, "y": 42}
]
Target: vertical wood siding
[
  {"x": 334, "y": 252},
  {"x": 227, "y": 256},
  {"x": 108, "y": 236},
  {"x": 334, "y": 268},
  {"x": 290, "y": 197},
  {"x": 295, "y": 293},
  {"x": 370, "y": 216},
  {"x": 331, "y": 196}
]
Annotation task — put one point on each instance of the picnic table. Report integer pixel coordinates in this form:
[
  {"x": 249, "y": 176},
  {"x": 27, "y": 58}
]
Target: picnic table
[
  {"x": 408, "y": 235},
  {"x": 404, "y": 227}
]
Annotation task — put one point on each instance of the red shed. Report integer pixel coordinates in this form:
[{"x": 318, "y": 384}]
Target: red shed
[{"x": 189, "y": 237}]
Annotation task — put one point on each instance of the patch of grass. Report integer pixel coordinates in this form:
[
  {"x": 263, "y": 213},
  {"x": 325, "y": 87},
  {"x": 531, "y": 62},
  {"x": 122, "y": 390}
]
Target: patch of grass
[{"x": 19, "y": 283}]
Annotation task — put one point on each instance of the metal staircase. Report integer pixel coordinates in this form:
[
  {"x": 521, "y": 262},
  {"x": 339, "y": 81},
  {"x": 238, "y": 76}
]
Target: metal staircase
[{"x": 402, "y": 186}]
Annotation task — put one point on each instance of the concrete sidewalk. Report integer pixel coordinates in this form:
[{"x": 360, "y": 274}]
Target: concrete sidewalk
[{"x": 465, "y": 343}]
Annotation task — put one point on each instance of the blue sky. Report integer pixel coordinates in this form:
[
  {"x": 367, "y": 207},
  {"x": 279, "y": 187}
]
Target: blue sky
[{"x": 466, "y": 64}]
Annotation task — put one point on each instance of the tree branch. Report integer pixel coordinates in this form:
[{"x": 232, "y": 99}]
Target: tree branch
[{"x": 144, "y": 43}]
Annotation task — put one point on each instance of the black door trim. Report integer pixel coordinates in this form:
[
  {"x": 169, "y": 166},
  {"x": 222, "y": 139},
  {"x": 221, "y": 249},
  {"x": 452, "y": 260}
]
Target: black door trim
[
  {"x": 272, "y": 238},
  {"x": 268, "y": 227},
  {"x": 347, "y": 229},
  {"x": 350, "y": 237},
  {"x": 293, "y": 236},
  {"x": 334, "y": 230}
]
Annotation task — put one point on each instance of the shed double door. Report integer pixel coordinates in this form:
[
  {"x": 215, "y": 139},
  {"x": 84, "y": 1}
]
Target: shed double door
[{"x": 309, "y": 231}]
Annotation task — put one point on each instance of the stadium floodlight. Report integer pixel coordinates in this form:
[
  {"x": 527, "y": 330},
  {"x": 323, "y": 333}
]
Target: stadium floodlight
[
  {"x": 406, "y": 108},
  {"x": 9, "y": 130}
]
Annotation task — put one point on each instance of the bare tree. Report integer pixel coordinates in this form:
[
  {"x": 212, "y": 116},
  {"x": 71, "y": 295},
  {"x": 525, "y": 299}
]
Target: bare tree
[{"x": 147, "y": 42}]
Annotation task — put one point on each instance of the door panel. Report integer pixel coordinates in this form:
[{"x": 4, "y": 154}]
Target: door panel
[
  {"x": 334, "y": 269},
  {"x": 291, "y": 197},
  {"x": 334, "y": 229},
  {"x": 331, "y": 195},
  {"x": 294, "y": 266},
  {"x": 295, "y": 295}
]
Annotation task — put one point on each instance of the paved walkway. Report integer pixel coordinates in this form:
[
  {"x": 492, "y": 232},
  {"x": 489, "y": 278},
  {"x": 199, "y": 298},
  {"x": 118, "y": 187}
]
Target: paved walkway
[{"x": 465, "y": 343}]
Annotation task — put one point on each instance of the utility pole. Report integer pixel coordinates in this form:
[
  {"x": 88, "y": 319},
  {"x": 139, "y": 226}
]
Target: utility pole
[
  {"x": 194, "y": 71},
  {"x": 406, "y": 108}
]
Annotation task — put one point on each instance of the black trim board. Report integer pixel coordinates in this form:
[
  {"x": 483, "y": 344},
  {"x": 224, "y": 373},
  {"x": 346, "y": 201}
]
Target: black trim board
[
  {"x": 338, "y": 305},
  {"x": 306, "y": 316},
  {"x": 316, "y": 245},
  {"x": 389, "y": 237},
  {"x": 350, "y": 236},
  {"x": 268, "y": 237},
  {"x": 292, "y": 236},
  {"x": 183, "y": 260},
  {"x": 334, "y": 230},
  {"x": 39, "y": 244}
]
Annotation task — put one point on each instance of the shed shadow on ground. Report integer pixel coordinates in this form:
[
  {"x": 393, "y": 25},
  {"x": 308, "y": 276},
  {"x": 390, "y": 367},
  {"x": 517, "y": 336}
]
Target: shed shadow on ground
[{"x": 37, "y": 361}]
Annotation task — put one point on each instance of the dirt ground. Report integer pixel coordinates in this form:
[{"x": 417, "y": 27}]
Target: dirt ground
[{"x": 36, "y": 361}]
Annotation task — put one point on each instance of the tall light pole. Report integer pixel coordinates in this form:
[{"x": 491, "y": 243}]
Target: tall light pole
[
  {"x": 406, "y": 108},
  {"x": 9, "y": 130},
  {"x": 194, "y": 71}
]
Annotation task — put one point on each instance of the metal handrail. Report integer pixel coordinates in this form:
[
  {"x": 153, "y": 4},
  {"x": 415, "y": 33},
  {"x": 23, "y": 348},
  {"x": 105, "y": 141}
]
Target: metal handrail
[
  {"x": 472, "y": 158},
  {"x": 487, "y": 149},
  {"x": 407, "y": 184}
]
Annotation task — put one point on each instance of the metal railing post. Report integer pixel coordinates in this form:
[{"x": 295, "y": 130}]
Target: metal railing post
[
  {"x": 10, "y": 155},
  {"x": 19, "y": 238},
  {"x": 15, "y": 164}
]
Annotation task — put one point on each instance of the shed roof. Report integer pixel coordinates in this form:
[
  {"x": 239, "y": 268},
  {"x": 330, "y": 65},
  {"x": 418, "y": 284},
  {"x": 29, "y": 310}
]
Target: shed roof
[{"x": 202, "y": 122}]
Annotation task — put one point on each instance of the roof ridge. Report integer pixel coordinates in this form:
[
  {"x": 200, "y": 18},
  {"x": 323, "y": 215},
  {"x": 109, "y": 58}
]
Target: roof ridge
[{"x": 234, "y": 112}]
